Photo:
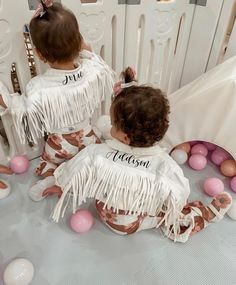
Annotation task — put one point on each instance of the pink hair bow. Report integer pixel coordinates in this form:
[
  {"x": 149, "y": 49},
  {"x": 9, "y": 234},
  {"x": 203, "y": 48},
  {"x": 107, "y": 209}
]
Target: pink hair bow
[
  {"x": 121, "y": 85},
  {"x": 117, "y": 88},
  {"x": 40, "y": 9}
]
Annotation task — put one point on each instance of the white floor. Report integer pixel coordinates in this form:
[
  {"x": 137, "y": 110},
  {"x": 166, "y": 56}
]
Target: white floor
[{"x": 62, "y": 257}]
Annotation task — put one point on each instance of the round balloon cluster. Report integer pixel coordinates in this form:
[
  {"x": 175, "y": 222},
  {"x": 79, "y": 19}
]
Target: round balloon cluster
[{"x": 197, "y": 154}]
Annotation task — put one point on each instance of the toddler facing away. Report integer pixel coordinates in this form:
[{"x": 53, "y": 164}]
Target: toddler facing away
[
  {"x": 61, "y": 101},
  {"x": 136, "y": 184}
]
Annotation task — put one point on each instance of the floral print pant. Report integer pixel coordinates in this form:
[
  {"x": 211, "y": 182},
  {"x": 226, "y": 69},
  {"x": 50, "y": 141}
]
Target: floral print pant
[
  {"x": 62, "y": 147},
  {"x": 194, "y": 217}
]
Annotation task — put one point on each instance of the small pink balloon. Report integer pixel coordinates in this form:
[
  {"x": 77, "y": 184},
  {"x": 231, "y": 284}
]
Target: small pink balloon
[
  {"x": 219, "y": 155},
  {"x": 233, "y": 184},
  {"x": 81, "y": 221},
  {"x": 19, "y": 164},
  {"x": 210, "y": 146},
  {"x": 199, "y": 149},
  {"x": 197, "y": 161},
  {"x": 213, "y": 186}
]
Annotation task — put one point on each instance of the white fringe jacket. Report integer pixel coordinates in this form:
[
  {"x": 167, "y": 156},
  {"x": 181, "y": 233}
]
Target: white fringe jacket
[
  {"x": 61, "y": 101},
  {"x": 137, "y": 180}
]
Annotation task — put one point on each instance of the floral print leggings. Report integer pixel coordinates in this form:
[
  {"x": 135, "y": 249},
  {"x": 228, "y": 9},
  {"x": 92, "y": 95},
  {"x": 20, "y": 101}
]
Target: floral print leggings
[
  {"x": 2, "y": 185},
  {"x": 194, "y": 217},
  {"x": 62, "y": 147}
]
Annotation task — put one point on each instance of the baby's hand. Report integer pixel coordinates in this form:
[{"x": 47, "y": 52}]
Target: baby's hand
[
  {"x": 85, "y": 46},
  {"x": 53, "y": 190},
  {"x": 5, "y": 170}
]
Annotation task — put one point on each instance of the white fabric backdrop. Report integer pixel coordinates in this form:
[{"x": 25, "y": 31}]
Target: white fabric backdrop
[{"x": 205, "y": 109}]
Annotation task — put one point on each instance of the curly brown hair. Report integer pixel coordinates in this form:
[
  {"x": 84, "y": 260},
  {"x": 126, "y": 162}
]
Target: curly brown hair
[
  {"x": 141, "y": 112},
  {"x": 55, "y": 34}
]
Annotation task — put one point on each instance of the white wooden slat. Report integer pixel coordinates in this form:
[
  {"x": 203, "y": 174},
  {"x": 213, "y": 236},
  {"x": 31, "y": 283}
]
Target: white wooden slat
[
  {"x": 231, "y": 48},
  {"x": 183, "y": 24}
]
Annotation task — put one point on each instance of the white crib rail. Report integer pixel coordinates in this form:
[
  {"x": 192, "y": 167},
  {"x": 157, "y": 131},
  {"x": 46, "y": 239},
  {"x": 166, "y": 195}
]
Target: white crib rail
[{"x": 217, "y": 50}]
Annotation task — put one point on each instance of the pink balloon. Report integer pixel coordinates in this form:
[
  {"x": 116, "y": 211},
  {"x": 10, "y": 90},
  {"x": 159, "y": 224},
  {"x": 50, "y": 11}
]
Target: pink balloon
[
  {"x": 81, "y": 221},
  {"x": 213, "y": 186},
  {"x": 199, "y": 149},
  {"x": 197, "y": 161},
  {"x": 233, "y": 183},
  {"x": 219, "y": 155},
  {"x": 210, "y": 146},
  {"x": 19, "y": 164}
]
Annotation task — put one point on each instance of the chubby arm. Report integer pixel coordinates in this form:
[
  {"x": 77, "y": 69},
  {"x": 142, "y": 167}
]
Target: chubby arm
[{"x": 85, "y": 46}]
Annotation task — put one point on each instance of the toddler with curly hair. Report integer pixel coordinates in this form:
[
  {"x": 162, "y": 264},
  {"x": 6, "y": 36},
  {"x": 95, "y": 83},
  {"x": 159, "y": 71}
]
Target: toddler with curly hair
[{"x": 135, "y": 182}]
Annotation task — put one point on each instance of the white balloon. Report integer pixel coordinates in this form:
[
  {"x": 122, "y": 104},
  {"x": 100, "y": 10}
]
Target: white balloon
[
  {"x": 179, "y": 156},
  {"x": 103, "y": 124},
  {"x": 232, "y": 211},
  {"x": 5, "y": 192},
  {"x": 18, "y": 272}
]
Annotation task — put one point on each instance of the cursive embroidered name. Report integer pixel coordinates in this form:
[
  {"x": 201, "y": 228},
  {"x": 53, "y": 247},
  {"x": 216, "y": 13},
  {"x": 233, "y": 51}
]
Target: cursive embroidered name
[
  {"x": 129, "y": 158},
  {"x": 72, "y": 77}
]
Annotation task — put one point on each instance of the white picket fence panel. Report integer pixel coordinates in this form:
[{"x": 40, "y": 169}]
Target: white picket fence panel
[
  {"x": 207, "y": 38},
  {"x": 158, "y": 38}
]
